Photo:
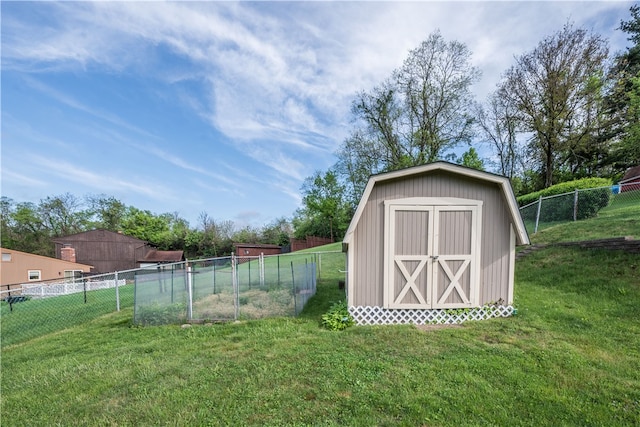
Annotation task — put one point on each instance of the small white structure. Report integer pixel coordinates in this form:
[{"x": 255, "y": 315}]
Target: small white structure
[{"x": 430, "y": 240}]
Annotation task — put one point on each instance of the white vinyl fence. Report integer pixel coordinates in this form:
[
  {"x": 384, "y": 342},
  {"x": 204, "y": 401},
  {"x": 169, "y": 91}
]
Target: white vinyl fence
[{"x": 44, "y": 290}]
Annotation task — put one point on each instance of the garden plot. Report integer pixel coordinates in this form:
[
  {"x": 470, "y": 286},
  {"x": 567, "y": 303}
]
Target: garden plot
[{"x": 251, "y": 304}]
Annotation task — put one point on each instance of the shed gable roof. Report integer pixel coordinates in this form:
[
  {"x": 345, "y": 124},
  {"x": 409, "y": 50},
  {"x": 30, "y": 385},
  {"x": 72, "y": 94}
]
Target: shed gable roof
[{"x": 503, "y": 183}]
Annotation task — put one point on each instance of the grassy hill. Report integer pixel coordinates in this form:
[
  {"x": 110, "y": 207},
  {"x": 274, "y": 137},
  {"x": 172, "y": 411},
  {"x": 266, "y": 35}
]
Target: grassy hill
[
  {"x": 571, "y": 356},
  {"x": 621, "y": 218}
]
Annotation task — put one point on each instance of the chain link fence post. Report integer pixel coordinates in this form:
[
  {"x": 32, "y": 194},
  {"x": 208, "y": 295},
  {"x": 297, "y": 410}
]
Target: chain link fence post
[{"x": 117, "y": 291}]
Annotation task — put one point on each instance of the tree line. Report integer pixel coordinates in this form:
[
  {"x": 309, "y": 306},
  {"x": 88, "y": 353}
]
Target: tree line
[
  {"x": 565, "y": 110},
  {"x": 30, "y": 227}
]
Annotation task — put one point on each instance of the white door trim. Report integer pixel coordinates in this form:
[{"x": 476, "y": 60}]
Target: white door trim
[{"x": 432, "y": 260}]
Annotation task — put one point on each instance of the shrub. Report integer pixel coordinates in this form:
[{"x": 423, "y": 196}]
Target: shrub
[
  {"x": 338, "y": 317},
  {"x": 564, "y": 187},
  {"x": 558, "y": 200}
]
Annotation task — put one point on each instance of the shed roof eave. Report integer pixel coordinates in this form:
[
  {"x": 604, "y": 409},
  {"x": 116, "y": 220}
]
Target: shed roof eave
[
  {"x": 624, "y": 181},
  {"x": 522, "y": 237}
]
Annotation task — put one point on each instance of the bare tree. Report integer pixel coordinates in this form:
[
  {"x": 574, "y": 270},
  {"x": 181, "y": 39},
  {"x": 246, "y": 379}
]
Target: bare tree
[
  {"x": 358, "y": 159},
  {"x": 553, "y": 89},
  {"x": 499, "y": 125},
  {"x": 62, "y": 215},
  {"x": 434, "y": 83},
  {"x": 423, "y": 110}
]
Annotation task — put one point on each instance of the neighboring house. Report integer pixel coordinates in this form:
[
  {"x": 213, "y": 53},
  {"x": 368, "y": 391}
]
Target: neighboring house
[
  {"x": 255, "y": 249},
  {"x": 106, "y": 250},
  {"x": 22, "y": 267},
  {"x": 631, "y": 180},
  {"x": 155, "y": 257},
  {"x": 429, "y": 239}
]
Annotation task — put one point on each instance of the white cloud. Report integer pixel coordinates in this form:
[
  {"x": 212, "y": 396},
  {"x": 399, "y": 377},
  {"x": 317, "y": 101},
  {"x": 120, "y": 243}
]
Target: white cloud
[
  {"x": 22, "y": 179},
  {"x": 100, "y": 180},
  {"x": 183, "y": 164},
  {"x": 276, "y": 78}
]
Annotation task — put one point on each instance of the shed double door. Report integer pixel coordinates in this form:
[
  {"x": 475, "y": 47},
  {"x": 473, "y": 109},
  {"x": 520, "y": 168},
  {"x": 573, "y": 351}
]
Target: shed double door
[{"x": 432, "y": 253}]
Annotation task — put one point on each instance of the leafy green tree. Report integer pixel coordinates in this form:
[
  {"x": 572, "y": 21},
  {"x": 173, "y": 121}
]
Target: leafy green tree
[
  {"x": 215, "y": 237},
  {"x": 107, "y": 212},
  {"x": 325, "y": 211},
  {"x": 174, "y": 238},
  {"x": 471, "y": 159},
  {"x": 192, "y": 245},
  {"x": 6, "y": 223},
  {"x": 629, "y": 146},
  {"x": 23, "y": 229},
  {"x": 357, "y": 161},
  {"x": 146, "y": 226},
  {"x": 63, "y": 215},
  {"x": 247, "y": 234},
  {"x": 623, "y": 99},
  {"x": 278, "y": 232}
]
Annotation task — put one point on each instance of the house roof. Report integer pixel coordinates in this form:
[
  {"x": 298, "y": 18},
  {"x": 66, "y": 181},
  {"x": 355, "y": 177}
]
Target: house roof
[
  {"x": 522, "y": 237},
  {"x": 163, "y": 256},
  {"x": 97, "y": 235},
  {"x": 57, "y": 260},
  {"x": 631, "y": 174}
]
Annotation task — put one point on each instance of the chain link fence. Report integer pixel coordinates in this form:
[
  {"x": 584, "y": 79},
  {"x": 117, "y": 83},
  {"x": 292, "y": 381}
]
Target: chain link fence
[
  {"x": 31, "y": 310},
  {"x": 218, "y": 289},
  {"x": 225, "y": 289},
  {"x": 577, "y": 205}
]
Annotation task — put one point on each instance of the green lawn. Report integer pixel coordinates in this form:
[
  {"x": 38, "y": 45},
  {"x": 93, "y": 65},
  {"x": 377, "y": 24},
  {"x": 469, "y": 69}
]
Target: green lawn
[
  {"x": 621, "y": 218},
  {"x": 571, "y": 356},
  {"x": 37, "y": 317},
  {"x": 212, "y": 294}
]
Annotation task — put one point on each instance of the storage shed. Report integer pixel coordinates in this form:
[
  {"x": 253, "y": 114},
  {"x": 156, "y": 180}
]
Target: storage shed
[
  {"x": 428, "y": 241},
  {"x": 631, "y": 180},
  {"x": 256, "y": 249}
]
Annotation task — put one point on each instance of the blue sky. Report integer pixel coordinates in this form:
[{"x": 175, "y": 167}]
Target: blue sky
[{"x": 223, "y": 107}]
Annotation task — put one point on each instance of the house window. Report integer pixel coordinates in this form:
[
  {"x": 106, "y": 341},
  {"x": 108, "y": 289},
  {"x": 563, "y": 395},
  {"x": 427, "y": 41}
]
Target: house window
[
  {"x": 34, "y": 275},
  {"x": 6, "y": 257},
  {"x": 72, "y": 274}
]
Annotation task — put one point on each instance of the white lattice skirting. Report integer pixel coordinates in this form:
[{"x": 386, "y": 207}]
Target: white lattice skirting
[{"x": 385, "y": 316}]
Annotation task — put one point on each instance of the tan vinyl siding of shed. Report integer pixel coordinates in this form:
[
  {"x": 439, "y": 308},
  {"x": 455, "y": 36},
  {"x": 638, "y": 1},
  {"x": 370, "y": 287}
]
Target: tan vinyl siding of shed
[{"x": 369, "y": 234}]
